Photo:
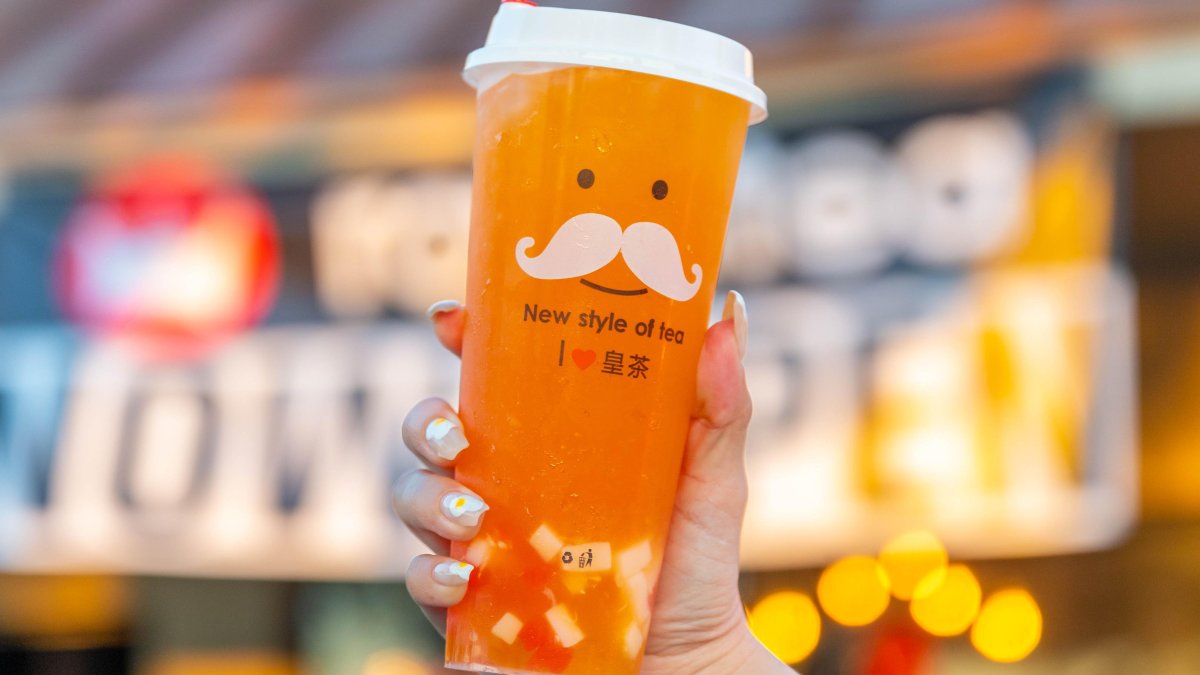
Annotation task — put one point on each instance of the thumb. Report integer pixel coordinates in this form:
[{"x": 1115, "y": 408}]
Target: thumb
[
  {"x": 721, "y": 395},
  {"x": 711, "y": 498},
  {"x": 717, "y": 438}
]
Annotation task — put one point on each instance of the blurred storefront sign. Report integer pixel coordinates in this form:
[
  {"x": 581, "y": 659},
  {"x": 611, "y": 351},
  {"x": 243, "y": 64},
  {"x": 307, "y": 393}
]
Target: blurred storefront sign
[
  {"x": 996, "y": 410},
  {"x": 941, "y": 339},
  {"x": 273, "y": 458},
  {"x": 961, "y": 358},
  {"x": 998, "y": 413}
]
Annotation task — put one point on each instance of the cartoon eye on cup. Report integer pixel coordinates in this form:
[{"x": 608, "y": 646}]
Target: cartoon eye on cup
[{"x": 586, "y": 178}]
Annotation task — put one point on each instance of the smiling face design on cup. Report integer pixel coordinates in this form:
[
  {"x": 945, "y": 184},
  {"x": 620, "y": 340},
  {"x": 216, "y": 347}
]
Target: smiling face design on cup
[{"x": 588, "y": 242}]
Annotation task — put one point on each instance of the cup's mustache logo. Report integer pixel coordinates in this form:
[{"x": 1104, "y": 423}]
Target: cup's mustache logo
[{"x": 589, "y": 241}]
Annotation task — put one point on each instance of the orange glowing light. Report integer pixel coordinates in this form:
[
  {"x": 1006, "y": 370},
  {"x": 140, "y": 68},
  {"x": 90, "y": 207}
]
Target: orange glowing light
[
  {"x": 946, "y": 607},
  {"x": 1009, "y": 626},
  {"x": 225, "y": 662},
  {"x": 394, "y": 662},
  {"x": 787, "y": 623},
  {"x": 48, "y": 607},
  {"x": 854, "y": 591}
]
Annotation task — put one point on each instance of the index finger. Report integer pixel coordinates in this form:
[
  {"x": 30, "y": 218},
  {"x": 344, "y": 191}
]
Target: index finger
[
  {"x": 448, "y": 317},
  {"x": 434, "y": 433}
]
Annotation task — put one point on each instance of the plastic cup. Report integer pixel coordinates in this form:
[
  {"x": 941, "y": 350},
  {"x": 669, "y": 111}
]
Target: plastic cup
[{"x": 605, "y": 163}]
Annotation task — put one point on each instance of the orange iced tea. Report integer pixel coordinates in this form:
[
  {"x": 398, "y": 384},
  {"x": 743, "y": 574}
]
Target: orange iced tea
[{"x": 600, "y": 203}]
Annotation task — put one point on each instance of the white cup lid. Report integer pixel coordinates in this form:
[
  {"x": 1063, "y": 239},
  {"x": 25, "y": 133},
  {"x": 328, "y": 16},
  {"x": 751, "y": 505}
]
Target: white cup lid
[{"x": 525, "y": 34}]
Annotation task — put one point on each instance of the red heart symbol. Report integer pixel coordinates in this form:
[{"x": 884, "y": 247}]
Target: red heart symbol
[{"x": 583, "y": 357}]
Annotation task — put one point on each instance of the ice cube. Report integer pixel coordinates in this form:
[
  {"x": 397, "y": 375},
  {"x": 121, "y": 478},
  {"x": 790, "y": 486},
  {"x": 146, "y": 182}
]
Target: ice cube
[
  {"x": 565, "y": 628},
  {"x": 507, "y": 627},
  {"x": 545, "y": 542}
]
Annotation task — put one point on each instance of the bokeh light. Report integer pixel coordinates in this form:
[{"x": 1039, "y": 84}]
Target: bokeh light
[
  {"x": 220, "y": 662},
  {"x": 949, "y": 607},
  {"x": 46, "y": 607},
  {"x": 788, "y": 624},
  {"x": 1009, "y": 626},
  {"x": 911, "y": 557},
  {"x": 854, "y": 591},
  {"x": 394, "y": 662}
]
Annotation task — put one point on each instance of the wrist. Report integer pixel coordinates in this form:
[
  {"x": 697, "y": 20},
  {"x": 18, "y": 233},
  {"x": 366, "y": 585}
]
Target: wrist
[
  {"x": 745, "y": 655},
  {"x": 735, "y": 652}
]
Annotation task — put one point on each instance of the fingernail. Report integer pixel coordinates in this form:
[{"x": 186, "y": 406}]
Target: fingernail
[
  {"x": 735, "y": 308},
  {"x": 452, "y": 573},
  {"x": 446, "y": 438},
  {"x": 442, "y": 306},
  {"x": 463, "y": 508}
]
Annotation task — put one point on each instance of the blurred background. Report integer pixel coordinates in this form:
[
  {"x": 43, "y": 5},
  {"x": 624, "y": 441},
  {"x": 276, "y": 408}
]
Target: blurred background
[{"x": 968, "y": 236}]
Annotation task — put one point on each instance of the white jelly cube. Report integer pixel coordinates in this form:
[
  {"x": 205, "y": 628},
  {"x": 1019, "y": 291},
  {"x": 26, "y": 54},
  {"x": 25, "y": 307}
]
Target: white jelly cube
[
  {"x": 586, "y": 557},
  {"x": 478, "y": 552},
  {"x": 507, "y": 627},
  {"x": 637, "y": 589},
  {"x": 545, "y": 542},
  {"x": 634, "y": 559},
  {"x": 565, "y": 628},
  {"x": 633, "y": 640}
]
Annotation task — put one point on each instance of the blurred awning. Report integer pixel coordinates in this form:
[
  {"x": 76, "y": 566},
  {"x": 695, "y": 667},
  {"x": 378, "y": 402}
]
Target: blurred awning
[{"x": 87, "y": 83}]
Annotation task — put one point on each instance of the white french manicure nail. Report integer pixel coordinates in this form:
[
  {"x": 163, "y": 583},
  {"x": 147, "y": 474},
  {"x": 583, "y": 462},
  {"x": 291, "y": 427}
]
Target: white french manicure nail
[
  {"x": 446, "y": 438},
  {"x": 463, "y": 508},
  {"x": 735, "y": 308},
  {"x": 452, "y": 573},
  {"x": 442, "y": 306}
]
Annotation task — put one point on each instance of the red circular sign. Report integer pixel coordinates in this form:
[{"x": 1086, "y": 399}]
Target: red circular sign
[{"x": 169, "y": 258}]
